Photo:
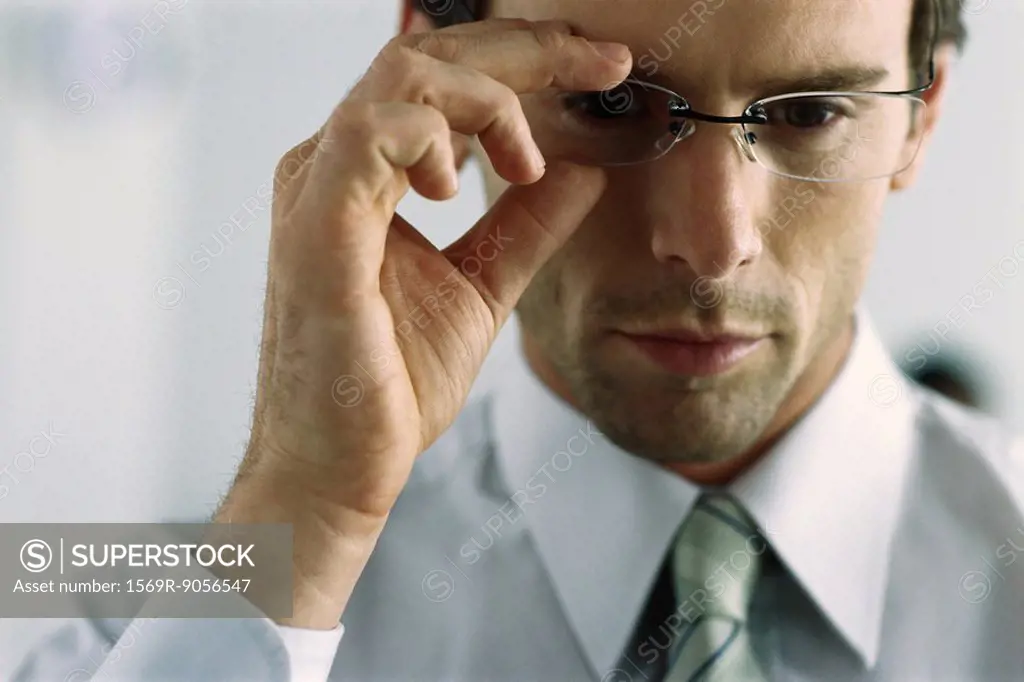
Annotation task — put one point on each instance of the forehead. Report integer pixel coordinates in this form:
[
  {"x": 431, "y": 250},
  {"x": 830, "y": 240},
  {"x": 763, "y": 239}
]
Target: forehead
[{"x": 736, "y": 43}]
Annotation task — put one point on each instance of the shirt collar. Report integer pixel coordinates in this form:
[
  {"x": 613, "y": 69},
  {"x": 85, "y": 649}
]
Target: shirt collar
[{"x": 826, "y": 496}]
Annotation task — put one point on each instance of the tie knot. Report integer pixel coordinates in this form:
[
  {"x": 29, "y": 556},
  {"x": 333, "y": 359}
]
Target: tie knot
[{"x": 716, "y": 559}]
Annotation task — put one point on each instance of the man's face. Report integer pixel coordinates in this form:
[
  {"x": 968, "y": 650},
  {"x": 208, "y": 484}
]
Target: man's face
[{"x": 704, "y": 239}]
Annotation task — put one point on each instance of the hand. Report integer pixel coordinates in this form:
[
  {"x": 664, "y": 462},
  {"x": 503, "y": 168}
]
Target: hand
[{"x": 372, "y": 336}]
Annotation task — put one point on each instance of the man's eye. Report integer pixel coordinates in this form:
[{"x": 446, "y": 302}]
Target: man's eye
[
  {"x": 609, "y": 105},
  {"x": 803, "y": 113}
]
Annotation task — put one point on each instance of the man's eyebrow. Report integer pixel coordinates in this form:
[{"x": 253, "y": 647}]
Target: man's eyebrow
[{"x": 852, "y": 78}]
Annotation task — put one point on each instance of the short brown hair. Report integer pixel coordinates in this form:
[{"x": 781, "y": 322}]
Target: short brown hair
[
  {"x": 951, "y": 30},
  {"x": 950, "y": 21}
]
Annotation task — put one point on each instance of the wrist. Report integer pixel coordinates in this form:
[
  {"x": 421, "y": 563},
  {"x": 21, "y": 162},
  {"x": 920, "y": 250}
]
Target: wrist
[{"x": 330, "y": 545}]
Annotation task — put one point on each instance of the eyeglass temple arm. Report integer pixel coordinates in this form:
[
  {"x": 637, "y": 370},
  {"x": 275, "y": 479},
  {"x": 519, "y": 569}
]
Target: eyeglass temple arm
[{"x": 936, "y": 31}]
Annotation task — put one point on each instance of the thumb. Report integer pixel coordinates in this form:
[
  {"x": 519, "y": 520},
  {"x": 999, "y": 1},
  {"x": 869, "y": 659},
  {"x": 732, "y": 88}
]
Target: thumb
[{"x": 509, "y": 244}]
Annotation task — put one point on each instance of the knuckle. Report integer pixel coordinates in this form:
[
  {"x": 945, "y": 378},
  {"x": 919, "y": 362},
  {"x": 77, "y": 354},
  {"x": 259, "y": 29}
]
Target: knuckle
[
  {"x": 441, "y": 46},
  {"x": 402, "y": 40},
  {"x": 355, "y": 117},
  {"x": 508, "y": 114},
  {"x": 419, "y": 87},
  {"x": 436, "y": 123},
  {"x": 552, "y": 35},
  {"x": 508, "y": 101},
  {"x": 282, "y": 167},
  {"x": 578, "y": 45},
  {"x": 352, "y": 122},
  {"x": 284, "y": 161},
  {"x": 397, "y": 57},
  {"x": 307, "y": 150},
  {"x": 399, "y": 67},
  {"x": 290, "y": 164},
  {"x": 396, "y": 45}
]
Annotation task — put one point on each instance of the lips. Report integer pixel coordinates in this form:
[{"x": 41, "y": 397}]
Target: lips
[
  {"x": 688, "y": 336},
  {"x": 695, "y": 353}
]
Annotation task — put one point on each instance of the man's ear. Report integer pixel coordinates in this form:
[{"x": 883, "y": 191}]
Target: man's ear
[
  {"x": 415, "y": 20},
  {"x": 934, "y": 97}
]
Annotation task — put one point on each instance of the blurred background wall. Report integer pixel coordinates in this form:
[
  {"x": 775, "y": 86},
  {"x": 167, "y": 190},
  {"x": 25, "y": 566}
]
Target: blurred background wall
[{"x": 132, "y": 133}]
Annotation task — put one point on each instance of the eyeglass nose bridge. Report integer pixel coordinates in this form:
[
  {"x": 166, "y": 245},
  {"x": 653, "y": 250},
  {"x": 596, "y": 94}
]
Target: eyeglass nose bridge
[{"x": 680, "y": 112}]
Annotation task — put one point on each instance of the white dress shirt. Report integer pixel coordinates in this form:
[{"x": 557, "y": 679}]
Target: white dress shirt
[{"x": 526, "y": 544}]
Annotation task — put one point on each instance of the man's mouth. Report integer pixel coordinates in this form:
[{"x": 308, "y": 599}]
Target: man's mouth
[{"x": 695, "y": 352}]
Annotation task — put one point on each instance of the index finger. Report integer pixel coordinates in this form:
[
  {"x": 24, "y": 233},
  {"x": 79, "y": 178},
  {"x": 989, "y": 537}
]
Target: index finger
[{"x": 527, "y": 56}]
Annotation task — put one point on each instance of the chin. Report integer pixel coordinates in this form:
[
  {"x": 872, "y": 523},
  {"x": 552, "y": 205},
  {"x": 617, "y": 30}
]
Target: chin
[{"x": 664, "y": 422}]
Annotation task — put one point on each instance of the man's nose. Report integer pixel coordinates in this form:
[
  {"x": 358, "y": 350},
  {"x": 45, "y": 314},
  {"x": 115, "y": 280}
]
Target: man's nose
[{"x": 703, "y": 203}]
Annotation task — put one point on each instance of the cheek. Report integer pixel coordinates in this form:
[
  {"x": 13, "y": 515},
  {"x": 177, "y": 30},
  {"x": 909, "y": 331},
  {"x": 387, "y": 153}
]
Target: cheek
[
  {"x": 590, "y": 261},
  {"x": 851, "y": 223},
  {"x": 825, "y": 250},
  {"x": 549, "y": 305}
]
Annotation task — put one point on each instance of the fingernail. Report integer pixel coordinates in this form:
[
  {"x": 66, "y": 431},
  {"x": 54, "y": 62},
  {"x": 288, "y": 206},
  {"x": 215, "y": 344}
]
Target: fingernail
[
  {"x": 538, "y": 158},
  {"x": 616, "y": 52}
]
